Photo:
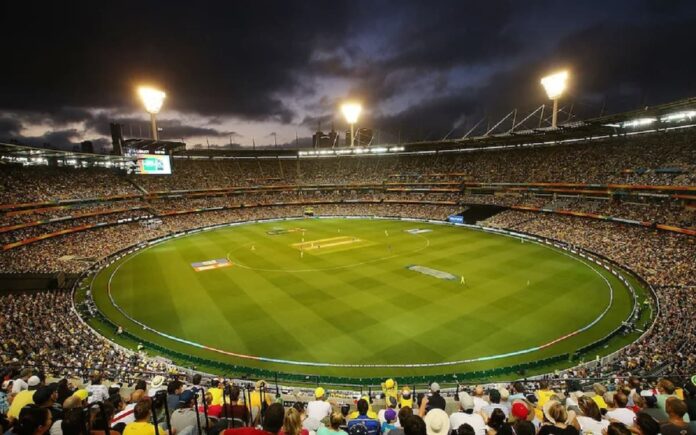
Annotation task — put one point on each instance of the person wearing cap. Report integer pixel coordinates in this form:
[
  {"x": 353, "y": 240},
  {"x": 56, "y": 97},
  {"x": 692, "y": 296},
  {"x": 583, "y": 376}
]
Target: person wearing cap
[
  {"x": 21, "y": 383},
  {"x": 389, "y": 421},
  {"x": 433, "y": 401},
  {"x": 494, "y": 397},
  {"x": 363, "y": 419},
  {"x": 185, "y": 416},
  {"x": 23, "y": 398},
  {"x": 390, "y": 389},
  {"x": 391, "y": 404},
  {"x": 319, "y": 408},
  {"x": 156, "y": 385},
  {"x": 466, "y": 415},
  {"x": 437, "y": 422},
  {"x": 403, "y": 414},
  {"x": 406, "y": 398},
  {"x": 97, "y": 391},
  {"x": 557, "y": 420}
]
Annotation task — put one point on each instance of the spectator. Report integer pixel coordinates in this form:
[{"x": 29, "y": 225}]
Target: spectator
[
  {"x": 414, "y": 425},
  {"x": 233, "y": 409},
  {"x": 23, "y": 398},
  {"x": 272, "y": 423},
  {"x": 372, "y": 425},
  {"x": 437, "y": 422},
  {"x": 433, "y": 401},
  {"x": 621, "y": 413},
  {"x": 20, "y": 384},
  {"x": 645, "y": 425},
  {"x": 292, "y": 424},
  {"x": 336, "y": 421},
  {"x": 174, "y": 389},
  {"x": 676, "y": 410},
  {"x": 590, "y": 417},
  {"x": 143, "y": 417},
  {"x": 97, "y": 391},
  {"x": 466, "y": 415},
  {"x": 33, "y": 420},
  {"x": 479, "y": 401},
  {"x": 617, "y": 428},
  {"x": 319, "y": 409},
  {"x": 404, "y": 413},
  {"x": 185, "y": 415},
  {"x": 494, "y": 398},
  {"x": 389, "y": 420},
  {"x": 556, "y": 420}
]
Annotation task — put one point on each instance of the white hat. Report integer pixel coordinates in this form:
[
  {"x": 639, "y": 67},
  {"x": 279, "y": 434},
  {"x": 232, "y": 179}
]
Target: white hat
[
  {"x": 33, "y": 381},
  {"x": 437, "y": 422},
  {"x": 466, "y": 401},
  {"x": 157, "y": 381},
  {"x": 434, "y": 387}
]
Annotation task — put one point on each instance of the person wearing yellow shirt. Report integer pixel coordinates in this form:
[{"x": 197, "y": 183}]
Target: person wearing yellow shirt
[
  {"x": 255, "y": 396},
  {"x": 543, "y": 395},
  {"x": 216, "y": 392},
  {"x": 599, "y": 390},
  {"x": 390, "y": 389},
  {"x": 370, "y": 412},
  {"x": 406, "y": 398},
  {"x": 142, "y": 424}
]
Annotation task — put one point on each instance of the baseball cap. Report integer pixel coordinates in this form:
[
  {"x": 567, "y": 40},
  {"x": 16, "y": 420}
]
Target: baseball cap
[
  {"x": 390, "y": 414},
  {"x": 319, "y": 392},
  {"x": 33, "y": 381},
  {"x": 466, "y": 401},
  {"x": 186, "y": 396},
  {"x": 520, "y": 410},
  {"x": 434, "y": 387}
]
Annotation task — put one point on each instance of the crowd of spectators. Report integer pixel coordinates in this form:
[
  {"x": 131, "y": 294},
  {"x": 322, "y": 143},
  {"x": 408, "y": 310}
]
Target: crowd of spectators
[{"x": 179, "y": 405}]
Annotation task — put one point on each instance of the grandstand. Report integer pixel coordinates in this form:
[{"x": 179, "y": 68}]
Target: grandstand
[{"x": 623, "y": 197}]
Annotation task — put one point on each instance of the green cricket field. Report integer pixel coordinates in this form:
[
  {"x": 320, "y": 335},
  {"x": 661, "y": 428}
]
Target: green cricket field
[{"x": 360, "y": 297}]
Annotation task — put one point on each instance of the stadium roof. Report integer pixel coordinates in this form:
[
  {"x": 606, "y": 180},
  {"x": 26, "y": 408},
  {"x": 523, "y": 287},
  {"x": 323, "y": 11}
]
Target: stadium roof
[
  {"x": 11, "y": 153},
  {"x": 678, "y": 114}
]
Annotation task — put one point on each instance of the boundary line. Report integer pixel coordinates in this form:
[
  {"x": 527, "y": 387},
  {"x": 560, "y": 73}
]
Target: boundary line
[{"x": 402, "y": 365}]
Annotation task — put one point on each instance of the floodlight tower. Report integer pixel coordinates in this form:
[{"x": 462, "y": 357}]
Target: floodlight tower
[
  {"x": 351, "y": 111},
  {"x": 152, "y": 100},
  {"x": 554, "y": 85}
]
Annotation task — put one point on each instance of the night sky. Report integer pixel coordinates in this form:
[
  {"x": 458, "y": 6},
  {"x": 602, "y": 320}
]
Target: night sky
[{"x": 244, "y": 71}]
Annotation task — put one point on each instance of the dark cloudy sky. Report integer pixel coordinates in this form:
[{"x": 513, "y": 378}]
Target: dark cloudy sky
[{"x": 246, "y": 70}]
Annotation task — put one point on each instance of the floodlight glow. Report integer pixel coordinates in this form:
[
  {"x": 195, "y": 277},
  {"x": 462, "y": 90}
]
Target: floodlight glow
[
  {"x": 152, "y": 98},
  {"x": 555, "y": 84},
  {"x": 351, "y": 111}
]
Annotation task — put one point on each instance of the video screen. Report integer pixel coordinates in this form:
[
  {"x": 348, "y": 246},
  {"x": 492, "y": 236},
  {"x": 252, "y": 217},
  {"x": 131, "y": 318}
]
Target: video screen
[{"x": 153, "y": 164}]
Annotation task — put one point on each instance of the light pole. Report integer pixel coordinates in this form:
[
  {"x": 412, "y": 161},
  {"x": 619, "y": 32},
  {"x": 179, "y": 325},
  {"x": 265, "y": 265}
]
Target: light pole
[
  {"x": 554, "y": 85},
  {"x": 351, "y": 111},
  {"x": 152, "y": 100}
]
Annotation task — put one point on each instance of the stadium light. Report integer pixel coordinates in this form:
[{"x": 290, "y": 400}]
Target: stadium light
[
  {"x": 351, "y": 111},
  {"x": 554, "y": 85},
  {"x": 152, "y": 100}
]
